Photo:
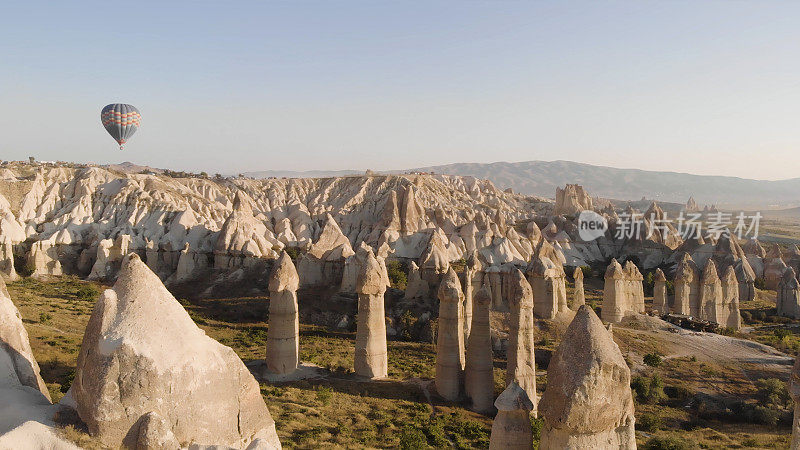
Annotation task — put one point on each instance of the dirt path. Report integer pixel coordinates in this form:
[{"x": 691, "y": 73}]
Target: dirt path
[{"x": 678, "y": 342}]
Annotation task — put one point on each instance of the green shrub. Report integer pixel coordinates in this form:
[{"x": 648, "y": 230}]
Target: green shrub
[
  {"x": 648, "y": 283},
  {"x": 671, "y": 442},
  {"x": 324, "y": 395},
  {"x": 293, "y": 252},
  {"x": 764, "y": 416},
  {"x": 649, "y": 390},
  {"x": 773, "y": 392},
  {"x": 397, "y": 274},
  {"x": 411, "y": 438},
  {"x": 87, "y": 292},
  {"x": 649, "y": 423},
  {"x": 747, "y": 317},
  {"x": 670, "y": 288},
  {"x": 760, "y": 283},
  {"x": 44, "y": 317},
  {"x": 536, "y": 426},
  {"x": 652, "y": 359},
  {"x": 781, "y": 333},
  {"x": 587, "y": 271}
]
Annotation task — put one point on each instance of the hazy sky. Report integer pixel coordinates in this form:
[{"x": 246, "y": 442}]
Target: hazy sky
[{"x": 702, "y": 87}]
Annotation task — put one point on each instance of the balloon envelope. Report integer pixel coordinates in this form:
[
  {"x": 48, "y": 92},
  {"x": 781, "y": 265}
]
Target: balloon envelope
[{"x": 121, "y": 121}]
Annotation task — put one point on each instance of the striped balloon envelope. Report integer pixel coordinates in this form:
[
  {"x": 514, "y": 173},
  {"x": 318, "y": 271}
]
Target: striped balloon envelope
[{"x": 121, "y": 121}]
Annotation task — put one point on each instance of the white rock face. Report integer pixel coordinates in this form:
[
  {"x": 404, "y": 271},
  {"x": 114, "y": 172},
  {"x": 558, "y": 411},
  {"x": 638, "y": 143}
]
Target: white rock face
[
  {"x": 26, "y": 414},
  {"x": 14, "y": 340},
  {"x": 572, "y": 200},
  {"x": 7, "y": 271},
  {"x": 548, "y": 281},
  {"x": 478, "y": 370},
  {"x": 450, "y": 356},
  {"x": 788, "y": 299},
  {"x": 511, "y": 428},
  {"x": 142, "y": 354},
  {"x": 660, "y": 303},
  {"x": 371, "y": 355},
  {"x": 521, "y": 362},
  {"x": 579, "y": 298},
  {"x": 588, "y": 401},
  {"x": 283, "y": 334}
]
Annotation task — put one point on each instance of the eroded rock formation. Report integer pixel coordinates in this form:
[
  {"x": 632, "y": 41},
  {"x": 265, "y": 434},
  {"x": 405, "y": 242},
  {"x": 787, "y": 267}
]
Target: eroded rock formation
[
  {"x": 511, "y": 429},
  {"x": 283, "y": 334},
  {"x": 478, "y": 371},
  {"x": 520, "y": 361},
  {"x": 572, "y": 200},
  {"x": 128, "y": 368},
  {"x": 579, "y": 297},
  {"x": 371, "y": 355},
  {"x": 660, "y": 303},
  {"x": 788, "y": 298},
  {"x": 588, "y": 401},
  {"x": 450, "y": 338}
]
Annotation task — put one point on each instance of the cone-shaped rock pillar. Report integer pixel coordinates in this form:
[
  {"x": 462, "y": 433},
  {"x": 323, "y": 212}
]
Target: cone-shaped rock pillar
[
  {"x": 588, "y": 401},
  {"x": 450, "y": 338},
  {"x": 660, "y": 293},
  {"x": 521, "y": 365},
  {"x": 579, "y": 297},
  {"x": 283, "y": 347},
  {"x": 478, "y": 373},
  {"x": 371, "y": 358},
  {"x": 511, "y": 429},
  {"x": 142, "y": 353}
]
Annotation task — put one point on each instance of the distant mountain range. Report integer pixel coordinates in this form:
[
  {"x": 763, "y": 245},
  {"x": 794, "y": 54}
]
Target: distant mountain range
[{"x": 542, "y": 178}]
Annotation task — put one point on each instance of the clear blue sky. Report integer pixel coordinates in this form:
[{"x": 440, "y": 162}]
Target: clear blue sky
[{"x": 703, "y": 87}]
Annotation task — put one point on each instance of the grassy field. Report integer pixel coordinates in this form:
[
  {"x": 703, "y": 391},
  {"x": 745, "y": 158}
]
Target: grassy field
[{"x": 706, "y": 404}]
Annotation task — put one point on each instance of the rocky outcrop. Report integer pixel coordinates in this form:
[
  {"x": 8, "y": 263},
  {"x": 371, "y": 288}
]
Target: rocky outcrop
[
  {"x": 705, "y": 295},
  {"x": 472, "y": 281},
  {"x": 26, "y": 414},
  {"x": 691, "y": 205},
  {"x": 548, "y": 281},
  {"x": 729, "y": 312},
  {"x": 15, "y": 345},
  {"x": 572, "y": 200},
  {"x": 521, "y": 364},
  {"x": 711, "y": 297},
  {"x": 511, "y": 429},
  {"x": 7, "y": 271},
  {"x": 243, "y": 238},
  {"x": 588, "y": 401},
  {"x": 579, "y": 296},
  {"x": 794, "y": 391},
  {"x": 283, "y": 334},
  {"x": 450, "y": 338},
  {"x": 128, "y": 368},
  {"x": 109, "y": 257},
  {"x": 687, "y": 287},
  {"x": 478, "y": 371},
  {"x": 371, "y": 355},
  {"x": 660, "y": 303},
  {"x": 43, "y": 258},
  {"x": 774, "y": 267},
  {"x": 323, "y": 264},
  {"x": 622, "y": 292},
  {"x": 788, "y": 298}
]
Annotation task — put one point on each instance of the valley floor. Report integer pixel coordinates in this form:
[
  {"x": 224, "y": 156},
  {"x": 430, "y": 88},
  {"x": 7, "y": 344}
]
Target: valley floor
[{"x": 707, "y": 390}]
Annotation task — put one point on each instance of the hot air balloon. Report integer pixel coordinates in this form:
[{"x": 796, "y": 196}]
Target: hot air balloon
[{"x": 121, "y": 121}]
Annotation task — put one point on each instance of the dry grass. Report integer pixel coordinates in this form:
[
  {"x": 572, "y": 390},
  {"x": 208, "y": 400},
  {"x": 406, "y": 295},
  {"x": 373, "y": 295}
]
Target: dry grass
[{"x": 343, "y": 411}]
